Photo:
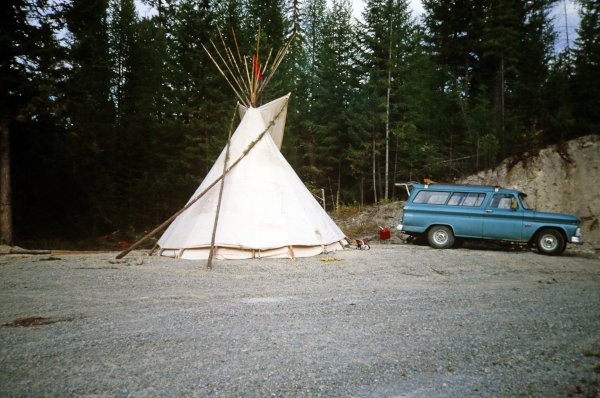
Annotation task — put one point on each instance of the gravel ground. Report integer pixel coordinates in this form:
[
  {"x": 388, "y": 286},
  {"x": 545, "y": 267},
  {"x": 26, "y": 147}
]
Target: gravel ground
[{"x": 398, "y": 320}]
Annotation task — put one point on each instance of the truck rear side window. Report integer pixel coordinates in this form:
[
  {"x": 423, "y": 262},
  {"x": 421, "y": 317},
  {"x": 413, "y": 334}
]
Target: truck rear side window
[
  {"x": 431, "y": 197},
  {"x": 466, "y": 199}
]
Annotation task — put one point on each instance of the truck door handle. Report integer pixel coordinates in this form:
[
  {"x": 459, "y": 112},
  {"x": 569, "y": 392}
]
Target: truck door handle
[{"x": 489, "y": 211}]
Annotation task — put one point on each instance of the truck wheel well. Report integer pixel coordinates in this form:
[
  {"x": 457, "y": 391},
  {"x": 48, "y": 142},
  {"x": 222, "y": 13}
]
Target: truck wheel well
[
  {"x": 438, "y": 225},
  {"x": 537, "y": 231}
]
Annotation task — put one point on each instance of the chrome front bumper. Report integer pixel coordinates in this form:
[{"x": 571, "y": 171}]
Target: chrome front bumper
[{"x": 577, "y": 238}]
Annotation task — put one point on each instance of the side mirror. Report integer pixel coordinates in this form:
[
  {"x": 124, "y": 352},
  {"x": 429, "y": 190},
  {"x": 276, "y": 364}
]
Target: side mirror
[{"x": 514, "y": 205}]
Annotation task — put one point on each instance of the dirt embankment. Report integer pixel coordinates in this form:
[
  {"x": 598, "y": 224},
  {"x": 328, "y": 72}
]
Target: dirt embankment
[
  {"x": 365, "y": 223},
  {"x": 560, "y": 178}
]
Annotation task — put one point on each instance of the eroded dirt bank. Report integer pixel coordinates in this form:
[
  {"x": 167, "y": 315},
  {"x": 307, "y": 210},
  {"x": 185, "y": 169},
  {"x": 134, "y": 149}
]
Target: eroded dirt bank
[{"x": 560, "y": 178}]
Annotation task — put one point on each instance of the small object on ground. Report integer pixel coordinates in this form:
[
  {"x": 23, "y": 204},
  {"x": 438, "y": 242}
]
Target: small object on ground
[
  {"x": 328, "y": 259},
  {"x": 363, "y": 244},
  {"x": 359, "y": 244},
  {"x": 384, "y": 233}
]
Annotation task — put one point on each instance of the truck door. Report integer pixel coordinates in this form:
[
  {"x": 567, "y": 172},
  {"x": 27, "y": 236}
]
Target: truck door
[{"x": 503, "y": 218}]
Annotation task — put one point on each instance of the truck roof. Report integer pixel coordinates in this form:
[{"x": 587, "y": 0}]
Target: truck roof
[{"x": 465, "y": 188}]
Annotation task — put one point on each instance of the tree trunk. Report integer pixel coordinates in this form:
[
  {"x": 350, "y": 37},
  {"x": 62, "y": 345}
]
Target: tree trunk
[
  {"x": 395, "y": 175},
  {"x": 502, "y": 130},
  {"x": 362, "y": 192},
  {"x": 6, "y": 232},
  {"x": 374, "y": 172},
  {"x": 498, "y": 97},
  {"x": 387, "y": 119},
  {"x": 339, "y": 187}
]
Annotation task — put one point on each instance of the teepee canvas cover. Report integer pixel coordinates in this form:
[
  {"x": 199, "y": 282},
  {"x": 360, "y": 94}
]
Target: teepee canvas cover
[{"x": 266, "y": 211}]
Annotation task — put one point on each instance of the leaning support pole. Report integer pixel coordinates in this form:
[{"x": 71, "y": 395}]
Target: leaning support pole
[
  {"x": 201, "y": 194},
  {"x": 214, "y": 232}
]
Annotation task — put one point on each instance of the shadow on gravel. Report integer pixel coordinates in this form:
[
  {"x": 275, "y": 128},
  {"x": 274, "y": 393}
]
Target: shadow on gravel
[
  {"x": 35, "y": 321},
  {"x": 476, "y": 245},
  {"x": 504, "y": 247}
]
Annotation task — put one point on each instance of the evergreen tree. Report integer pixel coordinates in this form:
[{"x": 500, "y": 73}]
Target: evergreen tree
[
  {"x": 427, "y": 119},
  {"x": 123, "y": 41},
  {"x": 90, "y": 112},
  {"x": 30, "y": 76},
  {"x": 455, "y": 30},
  {"x": 293, "y": 78},
  {"x": 269, "y": 16},
  {"x": 337, "y": 79},
  {"x": 524, "y": 88},
  {"x": 560, "y": 123},
  {"x": 389, "y": 39},
  {"x": 201, "y": 103},
  {"x": 314, "y": 12},
  {"x": 139, "y": 55},
  {"x": 498, "y": 59},
  {"x": 586, "y": 81},
  {"x": 497, "y": 49}
]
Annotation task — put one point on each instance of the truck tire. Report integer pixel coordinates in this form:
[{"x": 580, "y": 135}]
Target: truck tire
[
  {"x": 550, "y": 242},
  {"x": 440, "y": 237}
]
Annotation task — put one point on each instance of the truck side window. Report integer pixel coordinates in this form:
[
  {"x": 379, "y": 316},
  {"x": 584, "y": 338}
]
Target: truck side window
[
  {"x": 501, "y": 201},
  {"x": 523, "y": 201},
  {"x": 466, "y": 199},
  {"x": 431, "y": 197},
  {"x": 457, "y": 199}
]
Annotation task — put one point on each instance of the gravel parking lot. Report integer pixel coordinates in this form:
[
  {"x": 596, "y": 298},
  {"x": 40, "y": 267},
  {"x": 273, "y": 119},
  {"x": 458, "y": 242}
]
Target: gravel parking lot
[{"x": 398, "y": 320}]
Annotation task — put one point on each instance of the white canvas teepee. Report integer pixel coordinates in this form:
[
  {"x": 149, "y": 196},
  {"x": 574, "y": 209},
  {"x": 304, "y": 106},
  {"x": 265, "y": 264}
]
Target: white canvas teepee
[{"x": 266, "y": 211}]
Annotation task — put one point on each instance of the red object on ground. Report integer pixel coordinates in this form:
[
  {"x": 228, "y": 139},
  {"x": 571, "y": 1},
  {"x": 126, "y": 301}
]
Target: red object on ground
[{"x": 384, "y": 233}]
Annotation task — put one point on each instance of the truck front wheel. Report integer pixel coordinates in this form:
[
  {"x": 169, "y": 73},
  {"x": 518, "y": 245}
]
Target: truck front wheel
[
  {"x": 550, "y": 242},
  {"x": 440, "y": 237}
]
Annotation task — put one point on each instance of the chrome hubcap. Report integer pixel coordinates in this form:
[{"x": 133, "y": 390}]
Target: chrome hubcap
[
  {"x": 440, "y": 237},
  {"x": 549, "y": 242}
]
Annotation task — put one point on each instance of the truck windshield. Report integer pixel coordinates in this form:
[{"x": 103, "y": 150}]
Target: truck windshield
[{"x": 523, "y": 201}]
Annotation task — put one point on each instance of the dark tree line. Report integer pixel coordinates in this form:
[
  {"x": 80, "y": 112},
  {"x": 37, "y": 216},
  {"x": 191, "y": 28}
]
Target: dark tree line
[{"x": 110, "y": 120}]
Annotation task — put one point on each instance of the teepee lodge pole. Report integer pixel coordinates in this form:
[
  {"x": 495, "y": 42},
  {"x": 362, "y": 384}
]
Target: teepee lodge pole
[
  {"x": 239, "y": 95},
  {"x": 245, "y": 74},
  {"x": 214, "y": 231},
  {"x": 208, "y": 188},
  {"x": 255, "y": 71}
]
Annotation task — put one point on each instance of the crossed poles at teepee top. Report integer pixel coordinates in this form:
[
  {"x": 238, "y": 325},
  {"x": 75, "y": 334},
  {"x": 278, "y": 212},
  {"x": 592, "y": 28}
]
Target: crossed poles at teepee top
[{"x": 245, "y": 74}]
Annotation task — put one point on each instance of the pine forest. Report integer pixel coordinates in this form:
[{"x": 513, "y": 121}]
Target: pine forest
[{"x": 111, "y": 117}]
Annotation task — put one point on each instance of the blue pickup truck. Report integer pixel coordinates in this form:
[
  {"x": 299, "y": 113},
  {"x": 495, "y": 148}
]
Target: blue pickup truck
[{"x": 447, "y": 214}]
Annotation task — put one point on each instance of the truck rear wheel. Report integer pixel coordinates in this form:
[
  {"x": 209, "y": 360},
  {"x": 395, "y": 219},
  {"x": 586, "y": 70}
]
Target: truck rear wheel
[
  {"x": 550, "y": 242},
  {"x": 440, "y": 237}
]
